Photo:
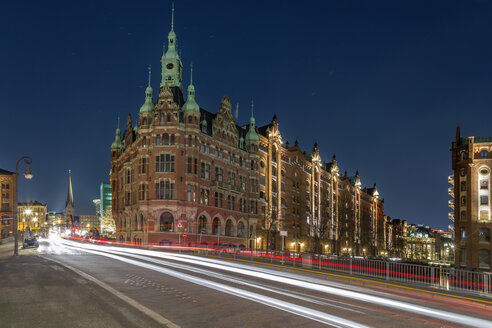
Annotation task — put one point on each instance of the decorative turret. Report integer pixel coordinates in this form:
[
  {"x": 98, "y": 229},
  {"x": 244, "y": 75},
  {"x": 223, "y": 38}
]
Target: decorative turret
[
  {"x": 252, "y": 136},
  {"x": 190, "y": 104},
  {"x": 148, "y": 104},
  {"x": 117, "y": 139},
  {"x": 171, "y": 63},
  {"x": 357, "y": 179}
]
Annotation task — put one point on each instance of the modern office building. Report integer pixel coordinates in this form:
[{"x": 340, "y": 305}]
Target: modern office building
[{"x": 105, "y": 197}]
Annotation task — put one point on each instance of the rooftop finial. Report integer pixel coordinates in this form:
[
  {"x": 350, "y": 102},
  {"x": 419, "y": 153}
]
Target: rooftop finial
[
  {"x": 191, "y": 73},
  {"x": 69, "y": 171},
  {"x": 150, "y": 72},
  {"x": 118, "y": 121},
  {"x": 172, "y": 19},
  {"x": 252, "y": 105}
]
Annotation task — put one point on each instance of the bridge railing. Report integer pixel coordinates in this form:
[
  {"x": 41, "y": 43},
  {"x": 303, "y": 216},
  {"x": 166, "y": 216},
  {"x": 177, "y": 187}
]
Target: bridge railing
[{"x": 446, "y": 278}]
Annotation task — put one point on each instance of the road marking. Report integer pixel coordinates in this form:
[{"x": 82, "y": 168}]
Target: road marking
[
  {"x": 352, "y": 278},
  {"x": 157, "y": 317}
]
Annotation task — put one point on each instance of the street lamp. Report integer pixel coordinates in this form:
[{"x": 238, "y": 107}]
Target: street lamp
[{"x": 28, "y": 175}]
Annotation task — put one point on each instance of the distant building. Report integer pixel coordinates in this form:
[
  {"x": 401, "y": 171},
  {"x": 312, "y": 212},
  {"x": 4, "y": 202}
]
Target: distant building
[
  {"x": 472, "y": 165},
  {"x": 32, "y": 215},
  {"x": 97, "y": 205},
  {"x": 8, "y": 203},
  {"x": 105, "y": 197},
  {"x": 90, "y": 223},
  {"x": 397, "y": 233},
  {"x": 444, "y": 246},
  {"x": 420, "y": 244}
]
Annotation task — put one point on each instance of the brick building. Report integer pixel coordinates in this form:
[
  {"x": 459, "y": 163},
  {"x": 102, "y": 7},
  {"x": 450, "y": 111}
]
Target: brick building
[
  {"x": 472, "y": 164},
  {"x": 185, "y": 174},
  {"x": 8, "y": 203}
]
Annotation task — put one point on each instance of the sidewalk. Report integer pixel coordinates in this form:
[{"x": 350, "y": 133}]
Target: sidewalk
[{"x": 36, "y": 292}]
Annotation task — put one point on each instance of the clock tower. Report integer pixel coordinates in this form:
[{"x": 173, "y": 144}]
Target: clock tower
[{"x": 171, "y": 63}]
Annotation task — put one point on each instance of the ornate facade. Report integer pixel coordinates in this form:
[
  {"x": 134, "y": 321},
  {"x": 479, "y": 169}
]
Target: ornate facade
[
  {"x": 8, "y": 182},
  {"x": 472, "y": 164},
  {"x": 185, "y": 175}
]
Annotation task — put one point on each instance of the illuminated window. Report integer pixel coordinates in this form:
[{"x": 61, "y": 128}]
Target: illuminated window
[
  {"x": 484, "y": 184},
  {"x": 463, "y": 233},
  {"x": 463, "y": 200},
  {"x": 483, "y": 154},
  {"x": 463, "y": 186},
  {"x": 484, "y": 215},
  {"x": 484, "y": 171}
]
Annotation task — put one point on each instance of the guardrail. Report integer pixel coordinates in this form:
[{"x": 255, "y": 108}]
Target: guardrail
[{"x": 446, "y": 278}]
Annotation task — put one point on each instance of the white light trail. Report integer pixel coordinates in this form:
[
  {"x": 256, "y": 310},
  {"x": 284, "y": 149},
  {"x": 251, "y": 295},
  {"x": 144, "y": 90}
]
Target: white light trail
[
  {"x": 272, "y": 302},
  {"x": 298, "y": 282}
]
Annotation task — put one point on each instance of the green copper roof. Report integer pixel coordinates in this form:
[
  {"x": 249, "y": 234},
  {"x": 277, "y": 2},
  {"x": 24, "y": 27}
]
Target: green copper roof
[
  {"x": 190, "y": 103},
  {"x": 252, "y": 135},
  {"x": 148, "y": 104},
  {"x": 117, "y": 139}
]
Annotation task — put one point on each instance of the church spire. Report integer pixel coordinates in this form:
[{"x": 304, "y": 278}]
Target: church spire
[
  {"x": 172, "y": 18},
  {"x": 69, "y": 201}
]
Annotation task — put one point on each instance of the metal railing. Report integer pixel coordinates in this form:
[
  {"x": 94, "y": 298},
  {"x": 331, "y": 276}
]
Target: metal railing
[{"x": 446, "y": 278}]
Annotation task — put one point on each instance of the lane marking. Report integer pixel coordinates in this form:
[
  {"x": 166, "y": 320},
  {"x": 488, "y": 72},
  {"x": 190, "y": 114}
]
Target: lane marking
[
  {"x": 154, "y": 315},
  {"x": 352, "y": 278}
]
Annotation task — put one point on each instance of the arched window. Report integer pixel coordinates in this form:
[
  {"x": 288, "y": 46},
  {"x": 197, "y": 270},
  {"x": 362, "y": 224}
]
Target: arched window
[
  {"x": 202, "y": 224},
  {"x": 135, "y": 222},
  {"x": 190, "y": 119},
  {"x": 173, "y": 139},
  {"x": 484, "y": 258},
  {"x": 158, "y": 139},
  {"x": 165, "y": 139},
  {"x": 462, "y": 155},
  {"x": 190, "y": 141},
  {"x": 240, "y": 229},
  {"x": 167, "y": 222},
  {"x": 169, "y": 117},
  {"x": 142, "y": 224},
  {"x": 484, "y": 235},
  {"x": 162, "y": 118},
  {"x": 484, "y": 154},
  {"x": 228, "y": 228},
  {"x": 216, "y": 226},
  {"x": 189, "y": 193}
]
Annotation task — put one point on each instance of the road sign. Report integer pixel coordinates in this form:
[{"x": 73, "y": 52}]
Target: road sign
[
  {"x": 180, "y": 226},
  {"x": 185, "y": 235},
  {"x": 283, "y": 233}
]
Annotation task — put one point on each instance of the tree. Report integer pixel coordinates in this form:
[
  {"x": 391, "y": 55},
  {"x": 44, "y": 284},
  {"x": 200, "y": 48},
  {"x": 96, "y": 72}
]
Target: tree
[{"x": 108, "y": 224}]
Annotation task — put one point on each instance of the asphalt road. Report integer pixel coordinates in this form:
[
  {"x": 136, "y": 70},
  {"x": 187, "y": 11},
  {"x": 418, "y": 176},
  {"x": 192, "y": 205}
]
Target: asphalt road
[{"x": 182, "y": 290}]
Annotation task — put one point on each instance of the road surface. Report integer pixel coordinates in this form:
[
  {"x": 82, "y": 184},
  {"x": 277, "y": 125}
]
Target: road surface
[{"x": 183, "y": 290}]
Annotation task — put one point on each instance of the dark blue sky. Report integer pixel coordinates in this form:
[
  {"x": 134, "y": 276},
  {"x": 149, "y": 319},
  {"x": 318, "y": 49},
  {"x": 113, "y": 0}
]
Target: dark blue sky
[{"x": 381, "y": 84}]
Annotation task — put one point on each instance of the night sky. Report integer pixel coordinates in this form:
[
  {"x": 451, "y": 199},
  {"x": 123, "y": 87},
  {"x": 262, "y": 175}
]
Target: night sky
[{"x": 381, "y": 84}]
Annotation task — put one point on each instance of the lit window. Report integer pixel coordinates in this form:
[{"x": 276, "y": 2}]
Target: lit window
[
  {"x": 483, "y": 154},
  {"x": 484, "y": 184},
  {"x": 484, "y": 215}
]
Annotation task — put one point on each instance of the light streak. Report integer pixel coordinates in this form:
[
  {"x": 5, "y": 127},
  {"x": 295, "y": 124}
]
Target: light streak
[
  {"x": 299, "y": 282},
  {"x": 272, "y": 302}
]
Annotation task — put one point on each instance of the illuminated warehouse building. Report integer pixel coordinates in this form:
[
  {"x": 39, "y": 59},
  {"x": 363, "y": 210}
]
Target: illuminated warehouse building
[{"x": 184, "y": 174}]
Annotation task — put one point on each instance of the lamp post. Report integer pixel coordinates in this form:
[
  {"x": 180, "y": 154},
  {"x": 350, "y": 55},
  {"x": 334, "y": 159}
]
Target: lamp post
[{"x": 28, "y": 175}]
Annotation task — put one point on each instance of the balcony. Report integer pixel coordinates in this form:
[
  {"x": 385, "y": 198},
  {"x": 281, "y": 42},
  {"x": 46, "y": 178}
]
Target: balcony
[
  {"x": 451, "y": 203},
  {"x": 451, "y": 191},
  {"x": 451, "y": 216},
  {"x": 451, "y": 179}
]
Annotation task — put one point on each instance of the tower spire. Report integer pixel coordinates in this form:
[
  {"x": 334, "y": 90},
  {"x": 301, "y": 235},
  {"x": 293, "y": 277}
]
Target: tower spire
[
  {"x": 190, "y": 103},
  {"x": 251, "y": 135},
  {"x": 172, "y": 18},
  {"x": 150, "y": 72}
]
